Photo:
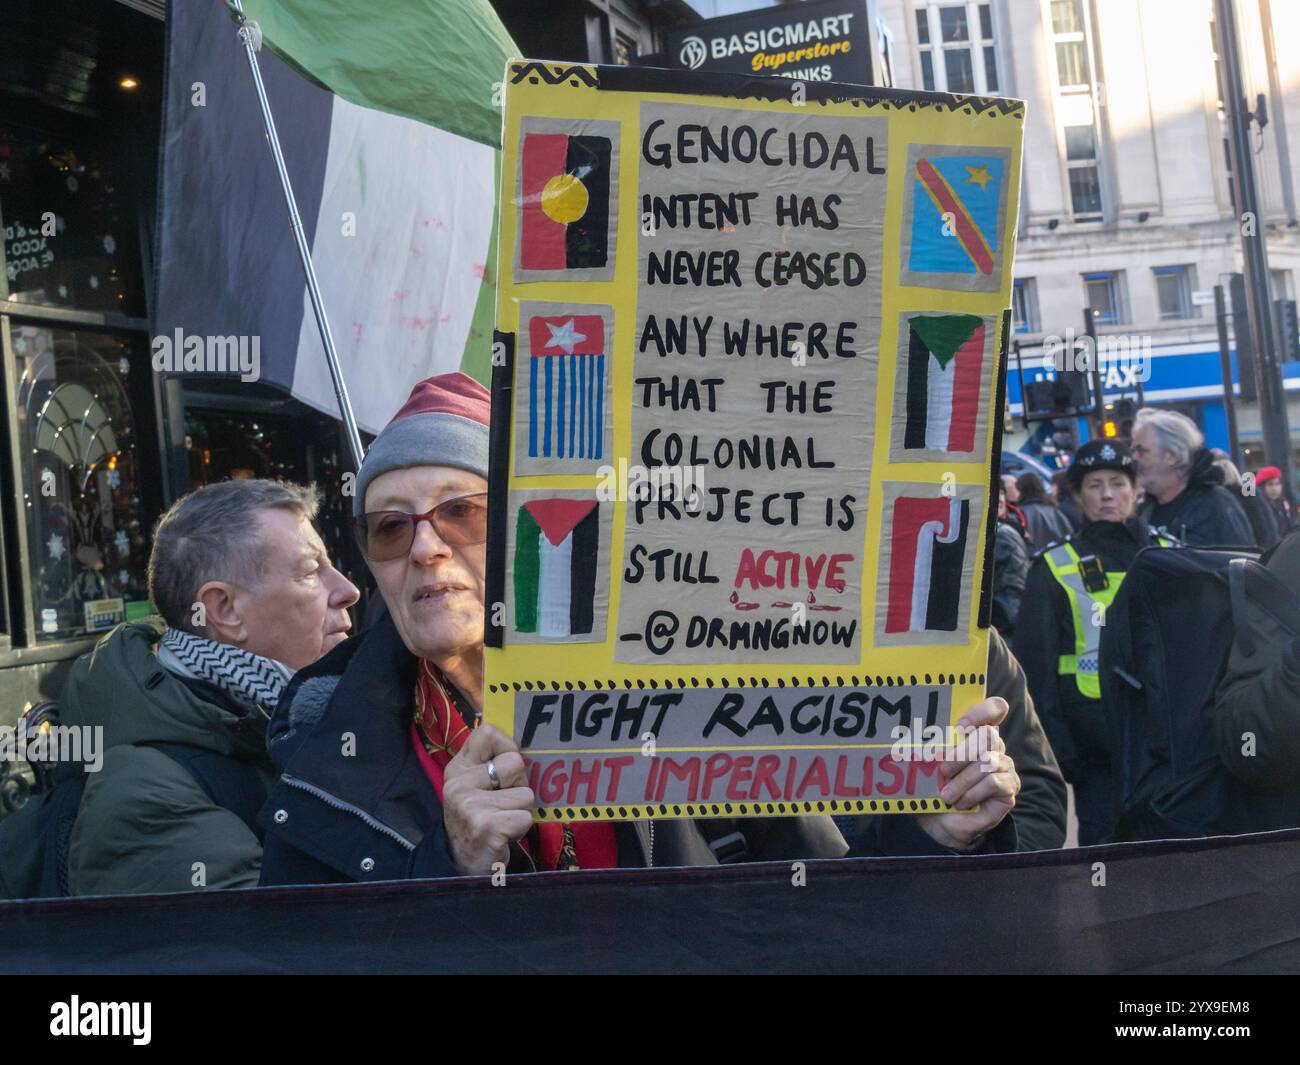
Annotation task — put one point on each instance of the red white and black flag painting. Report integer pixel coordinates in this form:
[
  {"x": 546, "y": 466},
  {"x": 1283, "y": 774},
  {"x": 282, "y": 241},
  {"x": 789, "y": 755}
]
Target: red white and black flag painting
[
  {"x": 927, "y": 563},
  {"x": 566, "y": 196},
  {"x": 562, "y": 381},
  {"x": 940, "y": 399},
  {"x": 558, "y": 543}
]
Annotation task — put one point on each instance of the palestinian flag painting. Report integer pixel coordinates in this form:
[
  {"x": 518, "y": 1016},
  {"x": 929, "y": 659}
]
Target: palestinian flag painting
[
  {"x": 945, "y": 374},
  {"x": 557, "y": 544},
  {"x": 927, "y": 557},
  {"x": 566, "y": 188}
]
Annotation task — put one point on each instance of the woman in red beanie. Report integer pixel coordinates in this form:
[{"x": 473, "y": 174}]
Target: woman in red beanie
[
  {"x": 387, "y": 771},
  {"x": 1269, "y": 479}
]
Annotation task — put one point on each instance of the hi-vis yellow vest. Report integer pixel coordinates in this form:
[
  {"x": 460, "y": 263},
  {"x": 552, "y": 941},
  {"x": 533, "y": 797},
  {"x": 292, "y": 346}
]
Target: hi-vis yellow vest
[{"x": 1089, "y": 611}]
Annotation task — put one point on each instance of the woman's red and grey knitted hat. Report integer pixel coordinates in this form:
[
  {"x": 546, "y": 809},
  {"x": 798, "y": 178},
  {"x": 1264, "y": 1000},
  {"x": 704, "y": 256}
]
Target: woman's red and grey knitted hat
[{"x": 443, "y": 423}]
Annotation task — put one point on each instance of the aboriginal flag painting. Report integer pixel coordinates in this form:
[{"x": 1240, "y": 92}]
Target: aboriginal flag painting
[
  {"x": 556, "y": 547},
  {"x": 945, "y": 357},
  {"x": 565, "y": 193},
  {"x": 566, "y": 386},
  {"x": 927, "y": 555}
]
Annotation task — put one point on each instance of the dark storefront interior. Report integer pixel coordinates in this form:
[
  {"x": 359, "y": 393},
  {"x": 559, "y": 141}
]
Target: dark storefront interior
[
  {"x": 82, "y": 470},
  {"x": 94, "y": 445}
]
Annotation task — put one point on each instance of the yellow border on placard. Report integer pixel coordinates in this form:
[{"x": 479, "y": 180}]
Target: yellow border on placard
[{"x": 565, "y": 666}]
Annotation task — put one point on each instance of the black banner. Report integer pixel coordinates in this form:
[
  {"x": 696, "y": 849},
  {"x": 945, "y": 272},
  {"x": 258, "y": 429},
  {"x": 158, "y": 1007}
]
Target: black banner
[
  {"x": 1224, "y": 905},
  {"x": 820, "y": 41}
]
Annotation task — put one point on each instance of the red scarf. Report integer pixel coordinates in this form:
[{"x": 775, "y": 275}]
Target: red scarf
[{"x": 438, "y": 731}]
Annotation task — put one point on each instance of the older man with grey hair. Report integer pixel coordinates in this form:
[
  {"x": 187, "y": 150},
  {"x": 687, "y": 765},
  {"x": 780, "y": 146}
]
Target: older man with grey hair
[
  {"x": 247, "y": 596},
  {"x": 1185, "y": 496}
]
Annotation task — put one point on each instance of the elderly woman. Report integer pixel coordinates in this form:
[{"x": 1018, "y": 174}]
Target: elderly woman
[{"x": 387, "y": 770}]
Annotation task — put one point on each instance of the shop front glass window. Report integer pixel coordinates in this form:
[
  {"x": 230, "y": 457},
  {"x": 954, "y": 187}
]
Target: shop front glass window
[
  {"x": 87, "y": 546},
  {"x": 69, "y": 236}
]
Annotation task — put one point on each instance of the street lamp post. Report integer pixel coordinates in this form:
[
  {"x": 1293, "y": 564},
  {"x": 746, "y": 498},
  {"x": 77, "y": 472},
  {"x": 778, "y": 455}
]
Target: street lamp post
[{"x": 1272, "y": 398}]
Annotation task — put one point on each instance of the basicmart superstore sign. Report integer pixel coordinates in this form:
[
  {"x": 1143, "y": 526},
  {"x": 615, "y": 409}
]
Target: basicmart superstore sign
[{"x": 825, "y": 42}]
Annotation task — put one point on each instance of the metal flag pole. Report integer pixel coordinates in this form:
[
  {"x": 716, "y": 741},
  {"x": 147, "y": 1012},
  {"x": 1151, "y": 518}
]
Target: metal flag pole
[{"x": 251, "y": 36}]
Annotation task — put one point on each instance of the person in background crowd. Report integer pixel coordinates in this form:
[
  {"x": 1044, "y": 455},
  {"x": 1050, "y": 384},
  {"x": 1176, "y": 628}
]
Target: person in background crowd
[
  {"x": 1184, "y": 489},
  {"x": 1010, "y": 567},
  {"x": 1058, "y": 633},
  {"x": 1263, "y": 525},
  {"x": 247, "y": 596},
  {"x": 1045, "y": 523},
  {"x": 1065, "y": 501},
  {"x": 1269, "y": 481},
  {"x": 1256, "y": 723},
  {"x": 1014, "y": 514},
  {"x": 432, "y": 790}
]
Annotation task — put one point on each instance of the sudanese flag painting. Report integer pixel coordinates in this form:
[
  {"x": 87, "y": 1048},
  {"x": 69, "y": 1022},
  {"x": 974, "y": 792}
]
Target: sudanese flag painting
[{"x": 567, "y": 190}]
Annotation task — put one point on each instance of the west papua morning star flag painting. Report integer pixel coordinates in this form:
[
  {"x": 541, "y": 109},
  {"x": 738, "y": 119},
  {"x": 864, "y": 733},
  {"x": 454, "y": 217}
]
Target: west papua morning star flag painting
[{"x": 747, "y": 376}]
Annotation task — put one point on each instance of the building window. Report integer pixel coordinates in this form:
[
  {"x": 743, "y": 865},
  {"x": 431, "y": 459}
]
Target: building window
[
  {"x": 1174, "y": 285},
  {"x": 1084, "y": 172},
  {"x": 625, "y": 49},
  {"x": 957, "y": 48},
  {"x": 1279, "y": 282},
  {"x": 1071, "y": 48},
  {"x": 885, "y": 40},
  {"x": 1106, "y": 296},
  {"x": 1024, "y": 305}
]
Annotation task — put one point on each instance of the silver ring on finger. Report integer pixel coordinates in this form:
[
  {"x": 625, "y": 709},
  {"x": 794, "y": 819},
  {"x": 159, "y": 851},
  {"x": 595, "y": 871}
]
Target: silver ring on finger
[{"x": 492, "y": 775}]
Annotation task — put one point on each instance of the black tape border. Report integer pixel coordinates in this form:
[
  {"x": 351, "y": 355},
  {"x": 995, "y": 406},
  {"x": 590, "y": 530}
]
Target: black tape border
[
  {"x": 995, "y": 478},
  {"x": 503, "y": 385},
  {"x": 755, "y": 87},
  {"x": 642, "y": 684},
  {"x": 781, "y": 808}
]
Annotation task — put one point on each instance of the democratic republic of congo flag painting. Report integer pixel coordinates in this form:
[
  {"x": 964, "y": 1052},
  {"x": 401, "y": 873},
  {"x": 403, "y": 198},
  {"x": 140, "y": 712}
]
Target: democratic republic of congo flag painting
[
  {"x": 927, "y": 556},
  {"x": 945, "y": 356},
  {"x": 955, "y": 212},
  {"x": 566, "y": 200},
  {"x": 557, "y": 542}
]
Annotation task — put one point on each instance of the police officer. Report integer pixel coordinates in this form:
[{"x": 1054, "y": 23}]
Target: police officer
[{"x": 1070, "y": 585}]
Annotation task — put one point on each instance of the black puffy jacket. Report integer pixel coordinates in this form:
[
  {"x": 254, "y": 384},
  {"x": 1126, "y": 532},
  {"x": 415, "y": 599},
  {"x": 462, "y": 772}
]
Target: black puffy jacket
[{"x": 1205, "y": 513}]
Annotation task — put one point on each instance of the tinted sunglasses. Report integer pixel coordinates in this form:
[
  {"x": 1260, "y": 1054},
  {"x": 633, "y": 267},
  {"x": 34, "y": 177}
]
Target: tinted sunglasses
[{"x": 388, "y": 534}]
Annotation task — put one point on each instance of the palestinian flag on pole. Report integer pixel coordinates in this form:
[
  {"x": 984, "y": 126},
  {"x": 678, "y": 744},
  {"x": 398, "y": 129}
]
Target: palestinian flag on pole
[
  {"x": 389, "y": 119},
  {"x": 945, "y": 365},
  {"x": 927, "y": 553},
  {"x": 556, "y": 546}
]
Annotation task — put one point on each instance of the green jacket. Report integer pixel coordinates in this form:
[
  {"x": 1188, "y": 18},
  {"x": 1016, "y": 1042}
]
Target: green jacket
[{"x": 145, "y": 824}]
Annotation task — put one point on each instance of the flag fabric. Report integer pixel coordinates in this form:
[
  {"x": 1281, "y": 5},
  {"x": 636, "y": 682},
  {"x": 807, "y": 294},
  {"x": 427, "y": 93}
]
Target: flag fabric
[
  {"x": 556, "y": 549},
  {"x": 565, "y": 208},
  {"x": 945, "y": 364},
  {"x": 956, "y": 202},
  {"x": 436, "y": 61},
  {"x": 394, "y": 172},
  {"x": 566, "y": 376},
  {"x": 927, "y": 556}
]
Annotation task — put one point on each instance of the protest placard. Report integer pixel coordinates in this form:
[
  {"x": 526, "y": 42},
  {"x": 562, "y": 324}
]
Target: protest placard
[{"x": 746, "y": 413}]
